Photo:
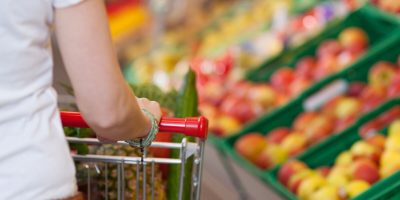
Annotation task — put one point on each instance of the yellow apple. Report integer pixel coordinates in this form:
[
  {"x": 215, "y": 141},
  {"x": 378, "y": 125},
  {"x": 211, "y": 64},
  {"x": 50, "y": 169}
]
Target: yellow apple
[
  {"x": 328, "y": 192},
  {"x": 309, "y": 185},
  {"x": 394, "y": 128},
  {"x": 344, "y": 159},
  {"x": 356, "y": 187},
  {"x": 338, "y": 176}
]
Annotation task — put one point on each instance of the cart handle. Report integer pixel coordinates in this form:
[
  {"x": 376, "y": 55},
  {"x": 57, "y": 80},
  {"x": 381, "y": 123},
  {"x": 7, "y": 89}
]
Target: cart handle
[{"x": 190, "y": 126}]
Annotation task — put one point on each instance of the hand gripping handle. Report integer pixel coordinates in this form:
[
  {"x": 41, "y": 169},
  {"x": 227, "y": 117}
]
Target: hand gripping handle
[{"x": 190, "y": 126}]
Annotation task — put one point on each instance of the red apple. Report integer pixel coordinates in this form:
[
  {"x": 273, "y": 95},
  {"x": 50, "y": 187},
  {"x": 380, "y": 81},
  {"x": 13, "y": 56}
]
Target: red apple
[
  {"x": 298, "y": 86},
  {"x": 353, "y": 36},
  {"x": 302, "y": 120},
  {"x": 389, "y": 116},
  {"x": 319, "y": 129},
  {"x": 381, "y": 74},
  {"x": 394, "y": 87},
  {"x": 326, "y": 65},
  {"x": 250, "y": 146},
  {"x": 344, "y": 123},
  {"x": 347, "y": 57},
  {"x": 378, "y": 141},
  {"x": 331, "y": 47},
  {"x": 305, "y": 67},
  {"x": 213, "y": 92},
  {"x": 370, "y": 128},
  {"x": 355, "y": 89},
  {"x": 372, "y": 97},
  {"x": 366, "y": 170},
  {"x": 289, "y": 169},
  {"x": 241, "y": 109},
  {"x": 282, "y": 78},
  {"x": 277, "y": 135}
]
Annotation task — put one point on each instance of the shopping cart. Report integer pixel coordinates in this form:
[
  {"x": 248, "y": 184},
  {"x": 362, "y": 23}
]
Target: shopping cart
[{"x": 193, "y": 126}]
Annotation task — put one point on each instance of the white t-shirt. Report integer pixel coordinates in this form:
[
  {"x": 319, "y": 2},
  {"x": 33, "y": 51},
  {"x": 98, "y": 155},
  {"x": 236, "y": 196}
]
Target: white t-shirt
[{"x": 35, "y": 161}]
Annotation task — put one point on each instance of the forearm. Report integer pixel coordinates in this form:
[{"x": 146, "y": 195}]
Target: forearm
[{"x": 103, "y": 97}]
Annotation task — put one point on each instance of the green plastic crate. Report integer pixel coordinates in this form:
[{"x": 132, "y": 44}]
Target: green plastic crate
[
  {"x": 373, "y": 10},
  {"x": 325, "y": 154},
  {"x": 387, "y": 50},
  {"x": 376, "y": 27}
]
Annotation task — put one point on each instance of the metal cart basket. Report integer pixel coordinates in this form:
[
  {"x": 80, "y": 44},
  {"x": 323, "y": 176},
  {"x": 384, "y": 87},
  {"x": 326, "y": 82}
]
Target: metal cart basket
[{"x": 94, "y": 164}]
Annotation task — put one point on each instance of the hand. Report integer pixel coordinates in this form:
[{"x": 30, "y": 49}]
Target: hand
[{"x": 153, "y": 107}]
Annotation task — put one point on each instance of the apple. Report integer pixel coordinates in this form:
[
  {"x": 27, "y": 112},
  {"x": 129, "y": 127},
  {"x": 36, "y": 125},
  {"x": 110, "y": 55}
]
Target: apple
[
  {"x": 355, "y": 89},
  {"x": 281, "y": 99},
  {"x": 343, "y": 123},
  {"x": 370, "y": 128},
  {"x": 240, "y": 89},
  {"x": 272, "y": 155},
  {"x": 356, "y": 187},
  {"x": 263, "y": 95},
  {"x": 330, "y": 106},
  {"x": 282, "y": 78},
  {"x": 347, "y": 107},
  {"x": 319, "y": 128},
  {"x": 366, "y": 170},
  {"x": 213, "y": 92},
  {"x": 310, "y": 185},
  {"x": 294, "y": 143},
  {"x": 305, "y": 67},
  {"x": 240, "y": 108},
  {"x": 296, "y": 179},
  {"x": 394, "y": 128},
  {"x": 344, "y": 159},
  {"x": 226, "y": 125},
  {"x": 323, "y": 170},
  {"x": 277, "y": 135},
  {"x": 381, "y": 75},
  {"x": 329, "y": 47},
  {"x": 377, "y": 140},
  {"x": 251, "y": 145},
  {"x": 327, "y": 192},
  {"x": 393, "y": 142},
  {"x": 353, "y": 36},
  {"x": 390, "y": 163},
  {"x": 298, "y": 86},
  {"x": 326, "y": 65},
  {"x": 389, "y": 116},
  {"x": 338, "y": 176},
  {"x": 362, "y": 149},
  {"x": 372, "y": 97},
  {"x": 289, "y": 169},
  {"x": 347, "y": 57},
  {"x": 303, "y": 119},
  {"x": 394, "y": 90}
]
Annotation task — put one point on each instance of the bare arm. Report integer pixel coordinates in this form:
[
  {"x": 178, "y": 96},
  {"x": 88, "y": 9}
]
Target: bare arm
[{"x": 103, "y": 97}]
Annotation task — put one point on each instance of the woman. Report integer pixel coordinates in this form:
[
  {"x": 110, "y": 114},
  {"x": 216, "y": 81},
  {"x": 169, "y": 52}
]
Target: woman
[{"x": 34, "y": 157}]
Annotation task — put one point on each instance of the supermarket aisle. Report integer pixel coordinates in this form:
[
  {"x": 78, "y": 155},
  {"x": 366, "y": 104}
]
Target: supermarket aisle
[{"x": 218, "y": 186}]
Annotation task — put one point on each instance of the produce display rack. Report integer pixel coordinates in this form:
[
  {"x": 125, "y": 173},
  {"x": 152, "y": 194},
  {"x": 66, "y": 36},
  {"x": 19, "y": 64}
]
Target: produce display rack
[
  {"x": 326, "y": 152},
  {"x": 384, "y": 34}
]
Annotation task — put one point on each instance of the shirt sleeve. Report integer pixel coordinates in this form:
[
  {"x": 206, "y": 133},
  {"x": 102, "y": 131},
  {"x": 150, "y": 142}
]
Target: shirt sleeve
[{"x": 65, "y": 3}]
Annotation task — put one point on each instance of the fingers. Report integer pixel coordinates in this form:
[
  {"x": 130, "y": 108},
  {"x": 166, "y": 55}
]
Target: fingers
[{"x": 152, "y": 106}]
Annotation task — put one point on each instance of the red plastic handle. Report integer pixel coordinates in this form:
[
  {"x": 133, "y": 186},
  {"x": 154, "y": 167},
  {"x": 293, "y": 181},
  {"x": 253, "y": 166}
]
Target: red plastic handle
[{"x": 190, "y": 126}]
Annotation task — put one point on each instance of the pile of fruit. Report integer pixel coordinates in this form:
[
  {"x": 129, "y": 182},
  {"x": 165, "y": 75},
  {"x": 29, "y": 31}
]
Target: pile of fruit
[
  {"x": 354, "y": 171},
  {"x": 392, "y": 6},
  {"x": 310, "y": 127},
  {"x": 230, "y": 106}
]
